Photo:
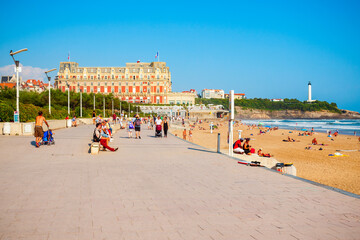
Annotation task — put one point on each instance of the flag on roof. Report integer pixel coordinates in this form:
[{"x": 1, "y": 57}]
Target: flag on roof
[{"x": 157, "y": 54}]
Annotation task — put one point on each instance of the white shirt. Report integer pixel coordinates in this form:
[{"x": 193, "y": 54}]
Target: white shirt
[{"x": 158, "y": 122}]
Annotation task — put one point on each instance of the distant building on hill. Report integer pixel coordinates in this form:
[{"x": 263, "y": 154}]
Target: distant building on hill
[
  {"x": 212, "y": 93},
  {"x": 8, "y": 85},
  {"x": 277, "y": 100},
  {"x": 34, "y": 85},
  {"x": 9, "y": 79},
  {"x": 236, "y": 95}
]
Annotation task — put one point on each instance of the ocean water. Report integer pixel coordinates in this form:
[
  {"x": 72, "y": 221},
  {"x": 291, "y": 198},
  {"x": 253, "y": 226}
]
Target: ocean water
[{"x": 344, "y": 126}]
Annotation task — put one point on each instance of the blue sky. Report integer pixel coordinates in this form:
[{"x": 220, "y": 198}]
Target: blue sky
[{"x": 266, "y": 49}]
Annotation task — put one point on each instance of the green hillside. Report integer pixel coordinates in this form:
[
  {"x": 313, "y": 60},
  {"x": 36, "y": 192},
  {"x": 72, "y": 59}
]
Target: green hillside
[{"x": 266, "y": 104}]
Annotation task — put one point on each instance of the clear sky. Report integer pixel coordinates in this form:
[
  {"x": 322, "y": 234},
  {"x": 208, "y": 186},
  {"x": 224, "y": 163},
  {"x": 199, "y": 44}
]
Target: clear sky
[{"x": 265, "y": 49}]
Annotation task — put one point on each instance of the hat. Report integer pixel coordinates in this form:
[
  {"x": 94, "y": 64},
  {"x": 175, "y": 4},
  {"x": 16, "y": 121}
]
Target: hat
[{"x": 241, "y": 139}]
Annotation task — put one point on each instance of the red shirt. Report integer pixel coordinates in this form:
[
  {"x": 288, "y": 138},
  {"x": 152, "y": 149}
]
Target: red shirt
[{"x": 237, "y": 144}]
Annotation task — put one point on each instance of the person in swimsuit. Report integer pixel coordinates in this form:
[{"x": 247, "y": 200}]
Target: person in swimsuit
[
  {"x": 38, "y": 131},
  {"x": 165, "y": 126},
  {"x": 247, "y": 146}
]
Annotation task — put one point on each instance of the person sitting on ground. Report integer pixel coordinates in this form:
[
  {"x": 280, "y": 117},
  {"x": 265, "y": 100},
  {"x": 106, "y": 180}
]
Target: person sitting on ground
[
  {"x": 261, "y": 154},
  {"x": 314, "y": 142},
  {"x": 247, "y": 147},
  {"x": 291, "y": 139},
  {"x": 38, "y": 131},
  {"x": 102, "y": 137},
  {"x": 237, "y": 148},
  {"x": 73, "y": 122}
]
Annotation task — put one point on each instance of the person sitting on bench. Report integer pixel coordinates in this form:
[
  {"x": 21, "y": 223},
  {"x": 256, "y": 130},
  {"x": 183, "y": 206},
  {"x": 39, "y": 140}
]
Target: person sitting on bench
[{"x": 102, "y": 137}]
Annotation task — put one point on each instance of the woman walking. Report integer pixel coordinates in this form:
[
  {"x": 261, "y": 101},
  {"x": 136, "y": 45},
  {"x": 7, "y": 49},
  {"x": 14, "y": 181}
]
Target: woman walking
[{"x": 165, "y": 126}]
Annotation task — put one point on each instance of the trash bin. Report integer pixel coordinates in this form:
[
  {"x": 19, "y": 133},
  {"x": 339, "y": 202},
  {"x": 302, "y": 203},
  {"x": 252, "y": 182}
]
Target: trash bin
[
  {"x": 7, "y": 128},
  {"x": 68, "y": 123}
]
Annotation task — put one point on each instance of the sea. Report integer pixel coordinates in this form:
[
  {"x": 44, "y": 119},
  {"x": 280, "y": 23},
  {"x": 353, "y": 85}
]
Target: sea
[{"x": 344, "y": 126}]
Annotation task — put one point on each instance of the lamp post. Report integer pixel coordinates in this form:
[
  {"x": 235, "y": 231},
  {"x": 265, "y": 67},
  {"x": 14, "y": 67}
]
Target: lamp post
[
  {"x": 68, "y": 89},
  {"x": 112, "y": 106},
  {"x": 17, "y": 69},
  {"x": 80, "y": 103},
  {"x": 104, "y": 105},
  {"x": 94, "y": 101},
  {"x": 49, "y": 78}
]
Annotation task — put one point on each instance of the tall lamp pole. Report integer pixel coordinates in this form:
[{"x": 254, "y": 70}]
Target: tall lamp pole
[
  {"x": 49, "y": 79},
  {"x": 68, "y": 89},
  {"x": 17, "y": 69},
  {"x": 104, "y": 105},
  {"x": 94, "y": 101},
  {"x": 80, "y": 103}
]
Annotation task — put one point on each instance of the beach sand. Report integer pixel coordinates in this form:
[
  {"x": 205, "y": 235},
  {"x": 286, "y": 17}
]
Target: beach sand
[{"x": 315, "y": 165}]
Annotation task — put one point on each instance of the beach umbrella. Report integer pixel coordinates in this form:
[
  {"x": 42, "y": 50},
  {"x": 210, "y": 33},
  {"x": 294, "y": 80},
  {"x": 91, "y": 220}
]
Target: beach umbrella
[
  {"x": 268, "y": 126},
  {"x": 304, "y": 129}
]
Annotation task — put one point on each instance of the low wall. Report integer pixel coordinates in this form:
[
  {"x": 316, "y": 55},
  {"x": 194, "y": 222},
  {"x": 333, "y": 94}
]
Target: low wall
[{"x": 27, "y": 129}]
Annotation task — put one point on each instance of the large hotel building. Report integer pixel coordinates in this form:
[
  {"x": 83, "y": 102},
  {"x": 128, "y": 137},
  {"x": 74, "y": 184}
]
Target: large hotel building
[{"x": 136, "y": 82}]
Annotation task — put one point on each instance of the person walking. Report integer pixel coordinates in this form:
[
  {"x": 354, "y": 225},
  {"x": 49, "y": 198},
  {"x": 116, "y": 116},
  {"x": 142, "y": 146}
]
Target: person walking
[
  {"x": 165, "y": 126},
  {"x": 38, "y": 131},
  {"x": 137, "y": 124}
]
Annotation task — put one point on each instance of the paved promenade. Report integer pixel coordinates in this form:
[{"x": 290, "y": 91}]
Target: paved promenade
[{"x": 157, "y": 189}]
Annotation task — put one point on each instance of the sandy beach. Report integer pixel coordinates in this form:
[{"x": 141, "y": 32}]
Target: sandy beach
[{"x": 316, "y": 165}]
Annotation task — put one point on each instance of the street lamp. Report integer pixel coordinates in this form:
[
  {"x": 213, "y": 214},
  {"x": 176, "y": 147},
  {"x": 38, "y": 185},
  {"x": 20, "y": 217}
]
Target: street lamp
[
  {"x": 68, "y": 89},
  {"x": 17, "y": 70},
  {"x": 49, "y": 78}
]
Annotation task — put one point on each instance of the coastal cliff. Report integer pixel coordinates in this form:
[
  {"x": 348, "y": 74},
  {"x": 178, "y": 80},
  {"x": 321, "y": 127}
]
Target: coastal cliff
[{"x": 293, "y": 114}]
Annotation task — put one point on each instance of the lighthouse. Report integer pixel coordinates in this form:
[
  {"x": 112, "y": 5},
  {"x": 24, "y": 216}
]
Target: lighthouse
[{"x": 309, "y": 93}]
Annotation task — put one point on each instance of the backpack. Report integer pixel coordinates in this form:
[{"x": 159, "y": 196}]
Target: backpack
[
  {"x": 137, "y": 122},
  {"x": 131, "y": 126},
  {"x": 96, "y": 138}
]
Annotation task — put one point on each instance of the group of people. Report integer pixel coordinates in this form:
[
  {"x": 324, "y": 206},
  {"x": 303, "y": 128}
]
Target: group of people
[
  {"x": 244, "y": 148},
  {"x": 103, "y": 134},
  {"x": 155, "y": 122}
]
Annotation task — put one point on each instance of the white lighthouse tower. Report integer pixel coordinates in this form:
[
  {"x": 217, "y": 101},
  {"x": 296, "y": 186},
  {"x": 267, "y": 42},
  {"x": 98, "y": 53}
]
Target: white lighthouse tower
[{"x": 309, "y": 93}]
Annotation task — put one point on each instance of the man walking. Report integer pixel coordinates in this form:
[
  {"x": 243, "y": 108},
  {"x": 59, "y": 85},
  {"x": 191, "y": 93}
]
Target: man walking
[
  {"x": 38, "y": 131},
  {"x": 137, "y": 124}
]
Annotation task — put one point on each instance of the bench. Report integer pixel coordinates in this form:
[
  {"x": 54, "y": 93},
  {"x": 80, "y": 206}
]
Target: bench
[{"x": 96, "y": 147}]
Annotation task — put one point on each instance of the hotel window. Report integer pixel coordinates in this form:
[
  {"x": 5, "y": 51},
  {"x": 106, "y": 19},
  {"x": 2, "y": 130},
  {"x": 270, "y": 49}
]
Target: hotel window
[
  {"x": 112, "y": 77},
  {"x": 157, "y": 83},
  {"x": 112, "y": 90},
  {"x": 148, "y": 83},
  {"x": 98, "y": 76},
  {"x": 67, "y": 76},
  {"x": 148, "y": 70},
  {"x": 105, "y": 90},
  {"x": 92, "y": 77},
  {"x": 105, "y": 77},
  {"x": 98, "y": 84},
  {"x": 157, "y": 90},
  {"x": 106, "y": 84},
  {"x": 127, "y": 90},
  {"x": 134, "y": 84},
  {"x": 105, "y": 70},
  {"x": 141, "y": 84},
  {"x": 91, "y": 84},
  {"x": 148, "y": 90},
  {"x": 141, "y": 76},
  {"x": 127, "y": 83},
  {"x": 98, "y": 90},
  {"x": 133, "y": 70},
  {"x": 127, "y": 76},
  {"x": 157, "y": 76},
  {"x": 134, "y": 77},
  {"x": 133, "y": 90},
  {"x": 112, "y": 83}
]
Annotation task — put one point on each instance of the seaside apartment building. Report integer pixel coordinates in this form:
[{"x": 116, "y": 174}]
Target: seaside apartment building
[
  {"x": 136, "y": 82},
  {"x": 212, "y": 93},
  {"x": 236, "y": 95}
]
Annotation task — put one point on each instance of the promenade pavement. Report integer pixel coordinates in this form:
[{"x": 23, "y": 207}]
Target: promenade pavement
[{"x": 154, "y": 188}]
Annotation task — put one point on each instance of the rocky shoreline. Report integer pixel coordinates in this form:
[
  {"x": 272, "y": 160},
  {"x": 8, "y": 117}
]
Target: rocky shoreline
[{"x": 293, "y": 114}]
